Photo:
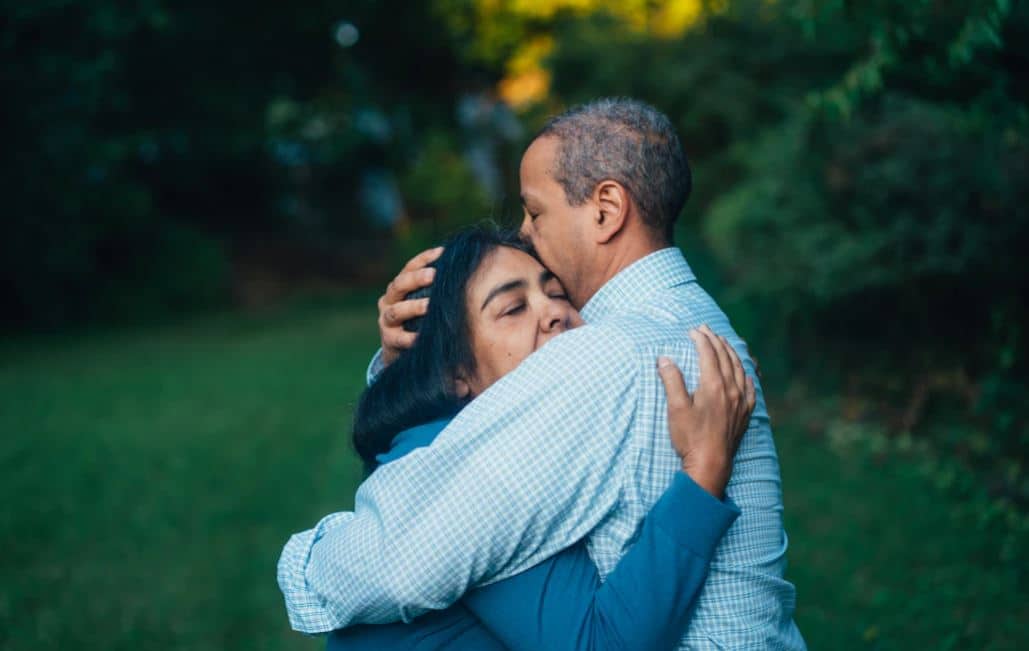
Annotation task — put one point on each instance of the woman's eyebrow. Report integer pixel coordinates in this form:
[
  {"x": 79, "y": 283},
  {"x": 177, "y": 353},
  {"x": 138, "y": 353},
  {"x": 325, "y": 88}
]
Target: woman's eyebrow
[
  {"x": 500, "y": 289},
  {"x": 546, "y": 276}
]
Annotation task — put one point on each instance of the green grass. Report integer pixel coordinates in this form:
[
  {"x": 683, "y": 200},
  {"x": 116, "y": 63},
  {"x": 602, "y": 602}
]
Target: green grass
[{"x": 150, "y": 477}]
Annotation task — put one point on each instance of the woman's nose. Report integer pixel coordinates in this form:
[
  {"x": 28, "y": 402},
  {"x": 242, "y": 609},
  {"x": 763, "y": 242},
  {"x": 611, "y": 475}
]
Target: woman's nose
[{"x": 553, "y": 320}]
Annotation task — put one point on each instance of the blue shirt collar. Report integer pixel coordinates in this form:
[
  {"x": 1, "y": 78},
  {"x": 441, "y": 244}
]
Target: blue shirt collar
[
  {"x": 659, "y": 270},
  {"x": 415, "y": 437}
]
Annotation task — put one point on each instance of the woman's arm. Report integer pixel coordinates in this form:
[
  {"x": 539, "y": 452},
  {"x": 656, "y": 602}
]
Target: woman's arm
[
  {"x": 453, "y": 629},
  {"x": 646, "y": 601}
]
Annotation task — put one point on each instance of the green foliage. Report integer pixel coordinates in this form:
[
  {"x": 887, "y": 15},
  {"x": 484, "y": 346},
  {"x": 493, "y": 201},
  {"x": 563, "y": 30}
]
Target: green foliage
[
  {"x": 904, "y": 195},
  {"x": 440, "y": 186},
  {"x": 130, "y": 126},
  {"x": 893, "y": 546},
  {"x": 442, "y": 191}
]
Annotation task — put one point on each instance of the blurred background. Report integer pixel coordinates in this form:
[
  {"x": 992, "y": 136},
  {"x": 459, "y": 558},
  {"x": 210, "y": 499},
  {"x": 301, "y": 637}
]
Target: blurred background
[{"x": 202, "y": 201}]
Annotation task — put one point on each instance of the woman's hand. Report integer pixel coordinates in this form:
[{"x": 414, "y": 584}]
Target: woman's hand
[{"x": 707, "y": 427}]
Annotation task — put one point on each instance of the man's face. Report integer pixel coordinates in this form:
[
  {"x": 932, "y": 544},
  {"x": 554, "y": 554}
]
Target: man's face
[{"x": 558, "y": 231}]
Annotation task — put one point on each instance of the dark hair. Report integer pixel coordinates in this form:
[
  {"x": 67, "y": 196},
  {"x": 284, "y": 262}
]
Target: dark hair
[
  {"x": 418, "y": 386},
  {"x": 628, "y": 141}
]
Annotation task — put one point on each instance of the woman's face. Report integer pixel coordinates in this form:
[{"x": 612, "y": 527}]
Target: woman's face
[{"x": 515, "y": 305}]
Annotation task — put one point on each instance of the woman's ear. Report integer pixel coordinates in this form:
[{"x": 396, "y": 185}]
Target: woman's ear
[
  {"x": 461, "y": 388},
  {"x": 612, "y": 201}
]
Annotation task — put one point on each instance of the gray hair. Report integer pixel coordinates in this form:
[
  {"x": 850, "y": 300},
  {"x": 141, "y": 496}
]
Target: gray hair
[{"x": 627, "y": 141}]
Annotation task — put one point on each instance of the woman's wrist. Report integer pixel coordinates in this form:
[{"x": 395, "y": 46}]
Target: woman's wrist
[{"x": 708, "y": 474}]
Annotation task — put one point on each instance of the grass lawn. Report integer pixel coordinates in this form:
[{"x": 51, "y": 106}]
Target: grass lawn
[{"x": 150, "y": 477}]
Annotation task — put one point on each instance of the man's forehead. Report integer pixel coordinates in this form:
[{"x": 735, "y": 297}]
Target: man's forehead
[
  {"x": 539, "y": 156},
  {"x": 536, "y": 174}
]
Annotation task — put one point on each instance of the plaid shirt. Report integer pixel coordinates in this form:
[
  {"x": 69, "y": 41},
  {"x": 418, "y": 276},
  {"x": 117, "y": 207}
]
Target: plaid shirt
[{"x": 571, "y": 444}]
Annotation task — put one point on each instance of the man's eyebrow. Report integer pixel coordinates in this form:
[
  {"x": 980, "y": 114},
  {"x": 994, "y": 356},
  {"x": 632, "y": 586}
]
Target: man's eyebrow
[
  {"x": 526, "y": 198},
  {"x": 500, "y": 289}
]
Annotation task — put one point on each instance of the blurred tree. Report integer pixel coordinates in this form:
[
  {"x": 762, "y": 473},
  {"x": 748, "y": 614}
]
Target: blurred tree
[{"x": 150, "y": 144}]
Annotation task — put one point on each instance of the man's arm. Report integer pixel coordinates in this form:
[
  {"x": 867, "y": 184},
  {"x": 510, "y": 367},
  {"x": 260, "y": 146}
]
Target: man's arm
[{"x": 524, "y": 471}]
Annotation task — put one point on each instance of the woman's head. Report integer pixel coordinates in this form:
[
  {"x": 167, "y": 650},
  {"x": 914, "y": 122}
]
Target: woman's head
[{"x": 491, "y": 305}]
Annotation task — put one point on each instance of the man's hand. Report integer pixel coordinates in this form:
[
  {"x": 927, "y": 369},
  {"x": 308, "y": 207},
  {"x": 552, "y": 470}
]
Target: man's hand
[
  {"x": 707, "y": 427},
  {"x": 394, "y": 310}
]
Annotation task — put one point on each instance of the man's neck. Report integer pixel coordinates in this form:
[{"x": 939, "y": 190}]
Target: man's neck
[{"x": 622, "y": 257}]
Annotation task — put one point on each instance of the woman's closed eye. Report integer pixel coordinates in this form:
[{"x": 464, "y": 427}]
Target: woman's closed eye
[{"x": 517, "y": 308}]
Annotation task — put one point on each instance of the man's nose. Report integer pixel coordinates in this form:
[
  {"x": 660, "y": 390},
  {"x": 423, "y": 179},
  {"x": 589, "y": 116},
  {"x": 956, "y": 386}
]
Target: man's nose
[{"x": 525, "y": 231}]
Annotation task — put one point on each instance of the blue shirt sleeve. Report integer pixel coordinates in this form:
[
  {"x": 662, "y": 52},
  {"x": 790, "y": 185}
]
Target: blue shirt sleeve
[
  {"x": 453, "y": 629},
  {"x": 646, "y": 601}
]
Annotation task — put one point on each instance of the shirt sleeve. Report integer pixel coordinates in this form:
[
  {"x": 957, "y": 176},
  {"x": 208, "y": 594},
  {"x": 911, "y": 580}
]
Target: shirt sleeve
[
  {"x": 453, "y": 629},
  {"x": 524, "y": 471},
  {"x": 646, "y": 601},
  {"x": 375, "y": 368}
]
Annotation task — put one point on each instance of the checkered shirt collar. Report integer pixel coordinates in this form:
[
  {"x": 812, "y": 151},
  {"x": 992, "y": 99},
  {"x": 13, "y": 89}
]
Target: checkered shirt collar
[{"x": 659, "y": 270}]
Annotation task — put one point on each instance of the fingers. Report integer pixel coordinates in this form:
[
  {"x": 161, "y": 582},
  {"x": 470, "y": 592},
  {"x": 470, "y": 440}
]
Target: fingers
[
  {"x": 414, "y": 275},
  {"x": 423, "y": 258},
  {"x": 397, "y": 340},
  {"x": 739, "y": 375},
  {"x": 406, "y": 282},
  {"x": 708, "y": 358},
  {"x": 724, "y": 362},
  {"x": 395, "y": 315},
  {"x": 675, "y": 385}
]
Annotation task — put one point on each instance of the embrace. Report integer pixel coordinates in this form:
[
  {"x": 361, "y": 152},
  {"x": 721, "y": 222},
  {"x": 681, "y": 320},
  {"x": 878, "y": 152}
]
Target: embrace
[{"x": 541, "y": 473}]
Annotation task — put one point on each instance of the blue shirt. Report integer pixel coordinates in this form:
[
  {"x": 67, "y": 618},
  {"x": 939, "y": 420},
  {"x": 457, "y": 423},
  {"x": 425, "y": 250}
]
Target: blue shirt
[
  {"x": 571, "y": 444},
  {"x": 561, "y": 604}
]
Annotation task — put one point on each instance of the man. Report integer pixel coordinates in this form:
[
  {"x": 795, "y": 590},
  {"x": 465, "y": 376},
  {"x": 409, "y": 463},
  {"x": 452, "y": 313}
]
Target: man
[{"x": 573, "y": 442}]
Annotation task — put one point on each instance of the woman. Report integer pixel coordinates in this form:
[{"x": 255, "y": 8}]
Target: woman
[{"x": 491, "y": 305}]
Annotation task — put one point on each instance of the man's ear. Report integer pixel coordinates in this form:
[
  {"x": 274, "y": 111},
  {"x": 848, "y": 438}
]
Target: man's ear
[{"x": 612, "y": 201}]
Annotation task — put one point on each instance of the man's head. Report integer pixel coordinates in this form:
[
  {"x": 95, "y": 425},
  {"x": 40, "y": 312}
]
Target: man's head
[{"x": 602, "y": 185}]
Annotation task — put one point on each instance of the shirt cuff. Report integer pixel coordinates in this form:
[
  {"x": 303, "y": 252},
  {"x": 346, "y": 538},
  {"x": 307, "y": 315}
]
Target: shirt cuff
[
  {"x": 375, "y": 368},
  {"x": 305, "y": 609},
  {"x": 693, "y": 516}
]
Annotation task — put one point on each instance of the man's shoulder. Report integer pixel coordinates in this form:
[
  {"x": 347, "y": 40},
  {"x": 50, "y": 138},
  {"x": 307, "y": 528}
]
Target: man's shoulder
[
  {"x": 653, "y": 325},
  {"x": 626, "y": 336},
  {"x": 588, "y": 358},
  {"x": 591, "y": 343}
]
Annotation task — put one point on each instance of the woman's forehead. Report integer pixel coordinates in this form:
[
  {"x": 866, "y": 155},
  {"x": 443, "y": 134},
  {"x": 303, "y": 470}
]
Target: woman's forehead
[{"x": 502, "y": 265}]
